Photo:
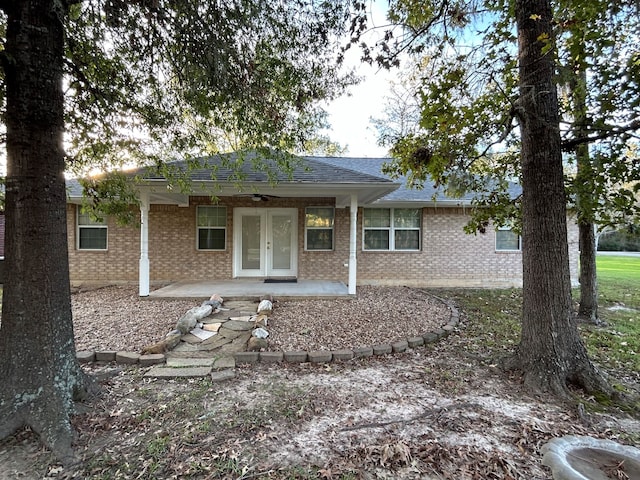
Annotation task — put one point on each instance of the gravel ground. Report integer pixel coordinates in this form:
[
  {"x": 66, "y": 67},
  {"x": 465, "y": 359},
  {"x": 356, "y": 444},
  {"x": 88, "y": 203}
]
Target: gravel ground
[{"x": 115, "y": 318}]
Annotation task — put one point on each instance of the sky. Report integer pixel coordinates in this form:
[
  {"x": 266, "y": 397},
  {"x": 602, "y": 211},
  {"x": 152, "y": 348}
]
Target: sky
[{"x": 350, "y": 115}]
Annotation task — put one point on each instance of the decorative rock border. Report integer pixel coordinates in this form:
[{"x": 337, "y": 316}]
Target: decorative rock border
[
  {"x": 318, "y": 356},
  {"x": 326, "y": 356}
]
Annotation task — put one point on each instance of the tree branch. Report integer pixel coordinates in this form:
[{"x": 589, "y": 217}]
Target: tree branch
[{"x": 569, "y": 145}]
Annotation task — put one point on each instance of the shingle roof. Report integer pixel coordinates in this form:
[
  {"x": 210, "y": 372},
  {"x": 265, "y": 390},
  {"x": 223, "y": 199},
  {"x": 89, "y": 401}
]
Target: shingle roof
[
  {"x": 254, "y": 169},
  {"x": 429, "y": 193},
  {"x": 251, "y": 168}
]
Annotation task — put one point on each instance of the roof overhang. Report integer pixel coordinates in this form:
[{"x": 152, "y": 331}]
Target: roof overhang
[{"x": 366, "y": 193}]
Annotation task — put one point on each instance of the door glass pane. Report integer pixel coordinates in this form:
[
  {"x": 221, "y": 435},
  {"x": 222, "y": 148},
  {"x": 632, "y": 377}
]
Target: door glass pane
[
  {"x": 251, "y": 242},
  {"x": 281, "y": 242}
]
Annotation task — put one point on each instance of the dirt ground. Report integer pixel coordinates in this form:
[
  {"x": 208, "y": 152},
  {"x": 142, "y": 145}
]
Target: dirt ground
[{"x": 443, "y": 411}]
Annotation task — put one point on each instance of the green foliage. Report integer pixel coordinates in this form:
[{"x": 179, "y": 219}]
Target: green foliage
[
  {"x": 467, "y": 137},
  {"x": 146, "y": 81},
  {"x": 620, "y": 241}
]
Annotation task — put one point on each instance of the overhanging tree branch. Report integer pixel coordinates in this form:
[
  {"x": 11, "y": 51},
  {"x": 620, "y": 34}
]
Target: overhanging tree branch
[{"x": 570, "y": 145}]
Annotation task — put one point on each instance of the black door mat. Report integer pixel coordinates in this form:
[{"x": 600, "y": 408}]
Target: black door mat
[{"x": 280, "y": 280}]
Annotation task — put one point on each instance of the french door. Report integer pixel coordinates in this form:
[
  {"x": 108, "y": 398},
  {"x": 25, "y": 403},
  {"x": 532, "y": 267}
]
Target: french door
[{"x": 265, "y": 242}]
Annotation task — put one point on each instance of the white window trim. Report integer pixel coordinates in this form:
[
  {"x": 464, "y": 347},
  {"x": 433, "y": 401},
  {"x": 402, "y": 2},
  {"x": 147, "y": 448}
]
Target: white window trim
[
  {"x": 509, "y": 229},
  {"x": 332, "y": 228},
  {"x": 391, "y": 229},
  {"x": 79, "y": 227},
  {"x": 198, "y": 228}
]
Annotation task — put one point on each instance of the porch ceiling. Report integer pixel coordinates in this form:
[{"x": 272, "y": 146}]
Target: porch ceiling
[{"x": 160, "y": 193}]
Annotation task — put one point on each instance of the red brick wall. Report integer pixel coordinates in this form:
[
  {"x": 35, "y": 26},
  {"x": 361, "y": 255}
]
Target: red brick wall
[{"x": 449, "y": 257}]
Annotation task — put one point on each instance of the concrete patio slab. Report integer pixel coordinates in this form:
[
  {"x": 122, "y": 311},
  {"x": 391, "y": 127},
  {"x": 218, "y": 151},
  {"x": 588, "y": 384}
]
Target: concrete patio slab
[{"x": 244, "y": 289}]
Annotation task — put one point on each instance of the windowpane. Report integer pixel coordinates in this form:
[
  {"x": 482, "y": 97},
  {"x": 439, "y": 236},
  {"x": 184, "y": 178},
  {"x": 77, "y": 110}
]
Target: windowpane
[
  {"x": 85, "y": 219},
  {"x": 406, "y": 218},
  {"x": 319, "y": 239},
  {"x": 211, "y": 216},
  {"x": 319, "y": 228},
  {"x": 376, "y": 239},
  {"x": 507, "y": 240},
  {"x": 92, "y": 238},
  {"x": 407, "y": 239},
  {"x": 211, "y": 239},
  {"x": 377, "y": 217},
  {"x": 321, "y": 217}
]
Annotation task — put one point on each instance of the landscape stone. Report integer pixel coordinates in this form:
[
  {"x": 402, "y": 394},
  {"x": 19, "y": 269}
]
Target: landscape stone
[
  {"x": 187, "y": 322},
  {"x": 295, "y": 357},
  {"x": 212, "y": 327},
  {"x": 430, "y": 337},
  {"x": 271, "y": 357},
  {"x": 238, "y": 344},
  {"x": 382, "y": 349},
  {"x": 169, "y": 372},
  {"x": 151, "y": 359},
  {"x": 189, "y": 362},
  {"x": 440, "y": 333},
  {"x": 231, "y": 334},
  {"x": 225, "y": 362},
  {"x": 342, "y": 355},
  {"x": 238, "y": 325},
  {"x": 223, "y": 375},
  {"x": 197, "y": 354},
  {"x": 246, "y": 357},
  {"x": 86, "y": 356},
  {"x": 320, "y": 356},
  {"x": 127, "y": 358},
  {"x": 255, "y": 344},
  {"x": 185, "y": 347},
  {"x": 360, "y": 352},
  {"x": 105, "y": 356},
  {"x": 399, "y": 346},
  {"x": 265, "y": 306},
  {"x": 214, "y": 342},
  {"x": 260, "y": 333},
  {"x": 192, "y": 339},
  {"x": 448, "y": 328},
  {"x": 414, "y": 342}
]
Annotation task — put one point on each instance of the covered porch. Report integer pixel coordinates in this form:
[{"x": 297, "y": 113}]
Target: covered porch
[{"x": 251, "y": 288}]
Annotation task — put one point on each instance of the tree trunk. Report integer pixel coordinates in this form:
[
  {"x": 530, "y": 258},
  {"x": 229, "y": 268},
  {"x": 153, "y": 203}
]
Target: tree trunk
[
  {"x": 551, "y": 353},
  {"x": 39, "y": 373},
  {"x": 585, "y": 196},
  {"x": 588, "y": 307}
]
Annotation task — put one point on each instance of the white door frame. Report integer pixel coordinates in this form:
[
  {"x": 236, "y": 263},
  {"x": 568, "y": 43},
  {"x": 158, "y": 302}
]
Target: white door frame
[{"x": 266, "y": 242}]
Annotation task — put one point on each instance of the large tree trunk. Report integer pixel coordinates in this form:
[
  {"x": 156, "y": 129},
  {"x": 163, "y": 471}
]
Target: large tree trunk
[
  {"x": 551, "y": 353},
  {"x": 39, "y": 373}
]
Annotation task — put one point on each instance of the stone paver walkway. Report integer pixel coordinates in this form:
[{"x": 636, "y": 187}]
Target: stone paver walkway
[{"x": 195, "y": 357}]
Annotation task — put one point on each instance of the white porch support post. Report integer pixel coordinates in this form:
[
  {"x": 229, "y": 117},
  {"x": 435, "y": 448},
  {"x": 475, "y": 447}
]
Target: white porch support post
[
  {"x": 353, "y": 236},
  {"x": 143, "y": 273}
]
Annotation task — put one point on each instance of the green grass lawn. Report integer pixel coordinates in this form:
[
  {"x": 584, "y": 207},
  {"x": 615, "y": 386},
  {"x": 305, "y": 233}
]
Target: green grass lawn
[
  {"x": 495, "y": 317},
  {"x": 619, "y": 280},
  {"x": 616, "y": 344}
]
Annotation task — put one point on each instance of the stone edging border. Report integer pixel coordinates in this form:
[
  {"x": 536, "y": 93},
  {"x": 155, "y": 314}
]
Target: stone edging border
[{"x": 300, "y": 356}]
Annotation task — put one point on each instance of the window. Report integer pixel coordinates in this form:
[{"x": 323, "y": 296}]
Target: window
[
  {"x": 212, "y": 227},
  {"x": 318, "y": 224},
  {"x": 92, "y": 233},
  {"x": 507, "y": 240},
  {"x": 392, "y": 229}
]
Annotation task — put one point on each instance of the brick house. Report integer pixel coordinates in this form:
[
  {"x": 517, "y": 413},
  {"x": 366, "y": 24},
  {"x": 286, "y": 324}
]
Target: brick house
[{"x": 336, "y": 219}]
